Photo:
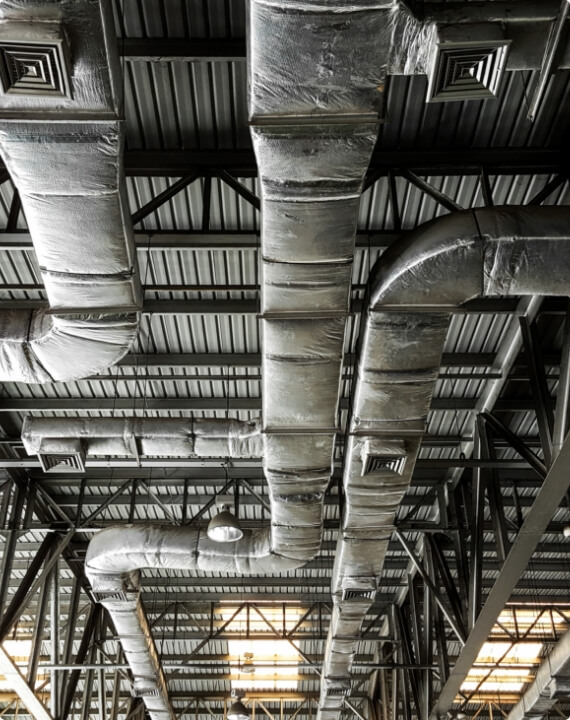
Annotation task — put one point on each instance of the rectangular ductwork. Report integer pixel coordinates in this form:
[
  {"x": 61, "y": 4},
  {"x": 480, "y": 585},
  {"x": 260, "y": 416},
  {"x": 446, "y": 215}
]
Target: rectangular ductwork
[{"x": 61, "y": 139}]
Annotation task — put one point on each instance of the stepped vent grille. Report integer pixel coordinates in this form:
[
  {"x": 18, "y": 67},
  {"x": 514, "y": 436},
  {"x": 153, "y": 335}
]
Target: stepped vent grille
[
  {"x": 62, "y": 455},
  {"x": 381, "y": 463},
  {"x": 72, "y": 463},
  {"x": 467, "y": 73},
  {"x": 34, "y": 69}
]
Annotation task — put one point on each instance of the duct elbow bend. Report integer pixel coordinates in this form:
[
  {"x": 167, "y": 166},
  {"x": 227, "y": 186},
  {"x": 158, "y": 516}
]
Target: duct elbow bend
[
  {"x": 506, "y": 250},
  {"x": 116, "y": 555},
  {"x": 39, "y": 347}
]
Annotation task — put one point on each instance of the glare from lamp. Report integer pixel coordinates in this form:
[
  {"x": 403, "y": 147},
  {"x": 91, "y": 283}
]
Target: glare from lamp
[
  {"x": 238, "y": 711},
  {"x": 248, "y": 667},
  {"x": 224, "y": 527},
  {"x": 566, "y": 531}
]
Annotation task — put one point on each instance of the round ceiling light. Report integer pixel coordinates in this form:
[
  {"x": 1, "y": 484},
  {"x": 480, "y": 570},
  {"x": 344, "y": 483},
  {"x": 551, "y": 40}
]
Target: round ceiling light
[
  {"x": 224, "y": 528},
  {"x": 238, "y": 711}
]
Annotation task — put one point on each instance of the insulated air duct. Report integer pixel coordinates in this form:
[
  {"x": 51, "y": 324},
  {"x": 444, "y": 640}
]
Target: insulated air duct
[
  {"x": 113, "y": 563},
  {"x": 61, "y": 138},
  {"x": 411, "y": 293},
  {"x": 316, "y": 78},
  {"x": 317, "y": 71},
  {"x": 52, "y": 439},
  {"x": 551, "y": 683}
]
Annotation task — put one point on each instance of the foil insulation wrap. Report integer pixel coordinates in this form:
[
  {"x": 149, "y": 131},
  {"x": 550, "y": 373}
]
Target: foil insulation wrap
[
  {"x": 317, "y": 73},
  {"x": 116, "y": 555},
  {"x": 140, "y": 651},
  {"x": 164, "y": 437},
  {"x": 113, "y": 563},
  {"x": 326, "y": 58},
  {"x": 412, "y": 44},
  {"x": 311, "y": 177},
  {"x": 504, "y": 250},
  {"x": 64, "y": 155}
]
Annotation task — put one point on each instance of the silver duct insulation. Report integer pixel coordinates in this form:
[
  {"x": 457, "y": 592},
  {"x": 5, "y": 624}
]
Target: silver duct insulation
[
  {"x": 316, "y": 78},
  {"x": 113, "y": 563},
  {"x": 296, "y": 517},
  {"x": 317, "y": 73},
  {"x": 499, "y": 251},
  {"x": 552, "y": 681},
  {"x": 132, "y": 437},
  {"x": 63, "y": 152}
]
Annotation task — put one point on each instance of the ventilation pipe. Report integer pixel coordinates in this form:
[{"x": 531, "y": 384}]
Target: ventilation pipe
[
  {"x": 116, "y": 556},
  {"x": 551, "y": 683},
  {"x": 316, "y": 76},
  {"x": 61, "y": 138},
  {"x": 412, "y": 291},
  {"x": 57, "y": 441},
  {"x": 317, "y": 72}
]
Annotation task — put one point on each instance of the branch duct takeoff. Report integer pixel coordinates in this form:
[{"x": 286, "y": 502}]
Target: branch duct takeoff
[
  {"x": 61, "y": 138},
  {"x": 114, "y": 559},
  {"x": 500, "y": 251}
]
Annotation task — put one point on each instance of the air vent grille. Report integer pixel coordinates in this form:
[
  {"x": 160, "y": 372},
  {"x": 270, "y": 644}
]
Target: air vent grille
[
  {"x": 62, "y": 462},
  {"x": 34, "y": 69},
  {"x": 379, "y": 463},
  {"x": 358, "y": 594},
  {"x": 467, "y": 73},
  {"x": 118, "y": 596},
  {"x": 338, "y": 690},
  {"x": 144, "y": 692}
]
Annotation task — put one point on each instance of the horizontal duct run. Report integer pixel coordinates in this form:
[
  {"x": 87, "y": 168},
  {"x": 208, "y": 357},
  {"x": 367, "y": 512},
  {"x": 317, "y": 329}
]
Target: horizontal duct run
[
  {"x": 500, "y": 251},
  {"x": 49, "y": 438},
  {"x": 61, "y": 138}
]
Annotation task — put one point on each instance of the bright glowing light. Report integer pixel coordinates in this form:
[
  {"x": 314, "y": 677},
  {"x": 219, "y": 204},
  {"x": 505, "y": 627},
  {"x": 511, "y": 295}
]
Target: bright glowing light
[
  {"x": 267, "y": 652},
  {"x": 530, "y": 622},
  {"x": 271, "y": 652},
  {"x": 502, "y": 666},
  {"x": 503, "y": 680},
  {"x": 19, "y": 651},
  {"x": 526, "y": 653}
]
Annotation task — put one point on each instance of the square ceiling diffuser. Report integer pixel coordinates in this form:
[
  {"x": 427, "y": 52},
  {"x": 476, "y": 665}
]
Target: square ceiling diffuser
[
  {"x": 466, "y": 68},
  {"x": 34, "y": 61}
]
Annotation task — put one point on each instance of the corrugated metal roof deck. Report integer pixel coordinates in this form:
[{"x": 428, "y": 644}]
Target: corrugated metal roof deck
[{"x": 201, "y": 106}]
